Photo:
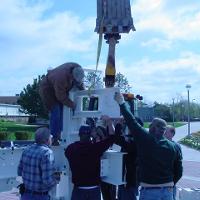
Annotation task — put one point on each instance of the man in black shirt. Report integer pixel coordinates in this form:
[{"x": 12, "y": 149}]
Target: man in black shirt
[{"x": 129, "y": 191}]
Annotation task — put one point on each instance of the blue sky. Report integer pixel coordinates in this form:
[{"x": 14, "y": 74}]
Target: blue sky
[{"x": 159, "y": 59}]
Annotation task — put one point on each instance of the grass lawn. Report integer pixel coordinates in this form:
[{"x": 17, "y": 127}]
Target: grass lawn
[
  {"x": 13, "y": 126},
  {"x": 10, "y": 128},
  {"x": 177, "y": 124}
]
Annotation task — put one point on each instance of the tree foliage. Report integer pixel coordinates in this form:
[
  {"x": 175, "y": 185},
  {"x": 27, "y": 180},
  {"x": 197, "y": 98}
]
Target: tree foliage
[
  {"x": 178, "y": 109},
  {"x": 162, "y": 111},
  {"x": 122, "y": 83},
  {"x": 30, "y": 100},
  {"x": 93, "y": 80}
]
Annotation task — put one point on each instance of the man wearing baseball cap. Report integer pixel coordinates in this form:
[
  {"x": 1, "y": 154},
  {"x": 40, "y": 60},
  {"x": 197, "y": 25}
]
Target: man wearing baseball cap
[
  {"x": 37, "y": 168},
  {"x": 54, "y": 91},
  {"x": 84, "y": 160}
]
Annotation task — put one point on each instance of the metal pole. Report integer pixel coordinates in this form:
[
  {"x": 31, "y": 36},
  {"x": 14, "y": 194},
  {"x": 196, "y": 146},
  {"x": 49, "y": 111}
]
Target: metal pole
[
  {"x": 173, "y": 110},
  {"x": 188, "y": 94}
]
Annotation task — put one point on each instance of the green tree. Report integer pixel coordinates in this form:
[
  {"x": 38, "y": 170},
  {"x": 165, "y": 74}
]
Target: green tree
[
  {"x": 93, "y": 80},
  {"x": 162, "y": 111},
  {"x": 195, "y": 110},
  {"x": 30, "y": 100},
  {"x": 181, "y": 110},
  {"x": 122, "y": 82}
]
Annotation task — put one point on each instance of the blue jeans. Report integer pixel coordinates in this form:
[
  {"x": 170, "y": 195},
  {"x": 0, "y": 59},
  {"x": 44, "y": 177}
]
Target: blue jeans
[
  {"x": 27, "y": 196},
  {"x": 56, "y": 120},
  {"x": 174, "y": 193},
  {"x": 162, "y": 193},
  {"x": 129, "y": 193},
  {"x": 86, "y": 194}
]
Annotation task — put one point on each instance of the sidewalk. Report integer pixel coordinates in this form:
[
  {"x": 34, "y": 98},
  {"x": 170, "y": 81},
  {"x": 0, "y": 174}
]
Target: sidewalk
[
  {"x": 10, "y": 195},
  {"x": 191, "y": 159},
  {"x": 191, "y": 175},
  {"x": 182, "y": 131}
]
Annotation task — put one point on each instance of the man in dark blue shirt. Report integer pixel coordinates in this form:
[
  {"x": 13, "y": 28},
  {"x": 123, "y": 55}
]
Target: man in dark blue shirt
[{"x": 169, "y": 134}]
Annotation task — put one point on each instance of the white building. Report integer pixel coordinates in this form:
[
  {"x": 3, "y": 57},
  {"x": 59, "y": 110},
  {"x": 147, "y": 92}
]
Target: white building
[
  {"x": 9, "y": 110},
  {"x": 12, "y": 112}
]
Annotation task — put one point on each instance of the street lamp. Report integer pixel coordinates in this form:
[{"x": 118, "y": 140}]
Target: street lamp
[
  {"x": 173, "y": 110},
  {"x": 188, "y": 95}
]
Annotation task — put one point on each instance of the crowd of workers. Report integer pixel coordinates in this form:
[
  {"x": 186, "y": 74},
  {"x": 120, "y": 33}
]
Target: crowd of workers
[{"x": 153, "y": 161}]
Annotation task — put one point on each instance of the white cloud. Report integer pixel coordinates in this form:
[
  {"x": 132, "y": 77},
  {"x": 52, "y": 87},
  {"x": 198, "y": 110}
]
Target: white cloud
[
  {"x": 159, "y": 44},
  {"x": 160, "y": 80},
  {"x": 179, "y": 23},
  {"x": 34, "y": 40},
  {"x": 12, "y": 85}
]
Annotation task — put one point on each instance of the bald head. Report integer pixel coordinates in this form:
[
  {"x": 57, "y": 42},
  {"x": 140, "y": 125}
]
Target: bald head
[
  {"x": 42, "y": 135},
  {"x": 169, "y": 132},
  {"x": 78, "y": 74},
  {"x": 157, "y": 126}
]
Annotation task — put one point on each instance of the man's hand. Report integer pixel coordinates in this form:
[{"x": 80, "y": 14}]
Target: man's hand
[
  {"x": 118, "y": 97},
  {"x": 73, "y": 107},
  {"x": 109, "y": 123},
  {"x": 106, "y": 119},
  {"x": 22, "y": 188}
]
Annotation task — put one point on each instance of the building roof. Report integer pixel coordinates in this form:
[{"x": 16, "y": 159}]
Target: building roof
[
  {"x": 9, "y": 105},
  {"x": 9, "y": 100}
]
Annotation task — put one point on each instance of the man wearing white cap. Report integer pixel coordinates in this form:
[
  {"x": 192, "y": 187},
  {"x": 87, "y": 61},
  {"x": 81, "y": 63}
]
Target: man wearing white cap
[
  {"x": 37, "y": 168},
  {"x": 54, "y": 91}
]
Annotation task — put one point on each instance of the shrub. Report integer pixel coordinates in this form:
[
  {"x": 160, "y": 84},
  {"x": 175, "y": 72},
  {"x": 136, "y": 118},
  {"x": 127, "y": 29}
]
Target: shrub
[
  {"x": 3, "y": 129},
  {"x": 22, "y": 135},
  {"x": 192, "y": 141},
  {"x": 3, "y": 135}
]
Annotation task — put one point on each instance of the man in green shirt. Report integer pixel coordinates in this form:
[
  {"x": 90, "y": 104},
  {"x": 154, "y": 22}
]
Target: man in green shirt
[{"x": 160, "y": 164}]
